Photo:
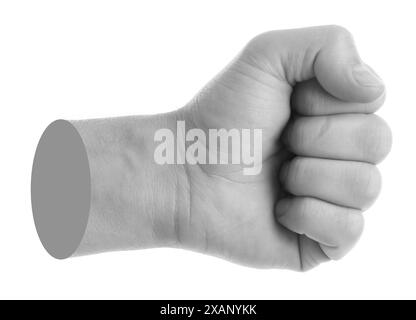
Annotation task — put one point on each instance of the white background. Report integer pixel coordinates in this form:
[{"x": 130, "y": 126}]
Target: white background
[{"x": 84, "y": 59}]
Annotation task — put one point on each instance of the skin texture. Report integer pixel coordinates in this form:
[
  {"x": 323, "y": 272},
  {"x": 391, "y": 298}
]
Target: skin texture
[
  {"x": 313, "y": 97},
  {"x": 319, "y": 147}
]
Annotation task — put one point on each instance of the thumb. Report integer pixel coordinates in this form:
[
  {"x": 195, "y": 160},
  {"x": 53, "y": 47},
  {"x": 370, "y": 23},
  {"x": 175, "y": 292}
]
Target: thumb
[{"x": 327, "y": 53}]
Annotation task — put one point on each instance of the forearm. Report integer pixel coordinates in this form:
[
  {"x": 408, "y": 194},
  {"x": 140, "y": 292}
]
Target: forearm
[{"x": 134, "y": 202}]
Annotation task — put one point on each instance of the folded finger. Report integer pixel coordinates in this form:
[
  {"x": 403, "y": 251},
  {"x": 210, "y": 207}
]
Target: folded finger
[
  {"x": 357, "y": 137},
  {"x": 335, "y": 228},
  {"x": 310, "y": 99},
  {"x": 346, "y": 183}
]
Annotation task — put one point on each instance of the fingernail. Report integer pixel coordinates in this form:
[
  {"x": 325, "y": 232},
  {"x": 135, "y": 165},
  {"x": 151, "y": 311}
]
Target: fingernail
[
  {"x": 282, "y": 207},
  {"x": 366, "y": 77}
]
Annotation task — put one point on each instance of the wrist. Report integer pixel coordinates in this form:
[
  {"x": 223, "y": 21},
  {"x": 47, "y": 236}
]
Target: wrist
[
  {"x": 132, "y": 202},
  {"x": 139, "y": 196}
]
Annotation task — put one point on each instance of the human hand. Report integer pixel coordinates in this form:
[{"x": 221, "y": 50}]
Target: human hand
[
  {"x": 313, "y": 97},
  {"x": 97, "y": 187}
]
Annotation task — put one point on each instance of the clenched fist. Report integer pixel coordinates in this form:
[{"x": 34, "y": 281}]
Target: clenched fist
[{"x": 313, "y": 99}]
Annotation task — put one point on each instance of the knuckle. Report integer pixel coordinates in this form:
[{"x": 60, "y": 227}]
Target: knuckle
[
  {"x": 337, "y": 32},
  {"x": 325, "y": 126},
  {"x": 258, "y": 42},
  {"x": 375, "y": 138},
  {"x": 350, "y": 231},
  {"x": 369, "y": 180},
  {"x": 354, "y": 227},
  {"x": 303, "y": 206},
  {"x": 295, "y": 172}
]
